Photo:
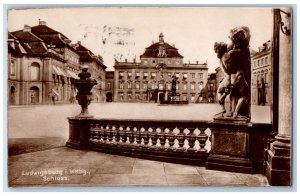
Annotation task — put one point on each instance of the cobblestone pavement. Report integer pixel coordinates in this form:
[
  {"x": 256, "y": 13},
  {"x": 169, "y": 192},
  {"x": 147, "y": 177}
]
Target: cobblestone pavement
[{"x": 67, "y": 167}]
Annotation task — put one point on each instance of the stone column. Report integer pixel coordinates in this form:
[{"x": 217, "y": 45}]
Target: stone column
[{"x": 279, "y": 152}]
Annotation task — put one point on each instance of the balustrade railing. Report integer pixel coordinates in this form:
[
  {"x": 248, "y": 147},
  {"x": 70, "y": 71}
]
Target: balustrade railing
[{"x": 168, "y": 140}]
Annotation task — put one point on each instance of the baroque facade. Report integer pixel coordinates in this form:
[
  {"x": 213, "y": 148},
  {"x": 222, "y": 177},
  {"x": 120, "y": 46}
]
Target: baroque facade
[
  {"x": 261, "y": 84},
  {"x": 42, "y": 65},
  {"x": 150, "y": 80}
]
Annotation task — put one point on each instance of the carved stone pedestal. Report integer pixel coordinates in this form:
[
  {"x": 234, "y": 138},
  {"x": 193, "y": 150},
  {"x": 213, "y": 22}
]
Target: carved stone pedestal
[
  {"x": 278, "y": 162},
  {"x": 78, "y": 133},
  {"x": 237, "y": 147}
]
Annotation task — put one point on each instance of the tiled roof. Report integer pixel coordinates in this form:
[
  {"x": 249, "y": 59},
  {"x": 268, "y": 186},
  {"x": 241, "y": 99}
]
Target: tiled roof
[
  {"x": 35, "y": 48},
  {"x": 53, "y": 39},
  {"x": 44, "y": 29},
  {"x": 26, "y": 36},
  {"x": 153, "y": 50}
]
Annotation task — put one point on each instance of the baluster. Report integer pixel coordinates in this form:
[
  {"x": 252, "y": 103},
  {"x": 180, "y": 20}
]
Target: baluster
[
  {"x": 191, "y": 138},
  {"x": 101, "y": 133},
  {"x": 145, "y": 136},
  {"x": 122, "y": 134},
  {"x": 110, "y": 133},
  {"x": 116, "y": 134},
  {"x": 162, "y": 137},
  {"x": 171, "y": 138},
  {"x": 202, "y": 137},
  {"x": 153, "y": 137},
  {"x": 180, "y": 137},
  {"x": 105, "y": 133},
  {"x": 208, "y": 141},
  {"x": 137, "y": 135},
  {"x": 130, "y": 135}
]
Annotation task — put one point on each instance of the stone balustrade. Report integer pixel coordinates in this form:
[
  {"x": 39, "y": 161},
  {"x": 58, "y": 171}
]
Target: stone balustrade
[
  {"x": 203, "y": 143},
  {"x": 185, "y": 141}
]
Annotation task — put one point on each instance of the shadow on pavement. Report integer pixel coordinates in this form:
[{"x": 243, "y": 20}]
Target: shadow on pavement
[{"x": 26, "y": 145}]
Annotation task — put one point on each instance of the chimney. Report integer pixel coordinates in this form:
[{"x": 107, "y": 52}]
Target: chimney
[
  {"x": 42, "y": 22},
  {"x": 197, "y": 62},
  {"x": 125, "y": 60},
  {"x": 79, "y": 42},
  {"x": 27, "y": 28},
  {"x": 134, "y": 60}
]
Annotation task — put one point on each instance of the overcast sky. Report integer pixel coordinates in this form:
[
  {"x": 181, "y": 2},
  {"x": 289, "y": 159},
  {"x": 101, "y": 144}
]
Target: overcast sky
[{"x": 125, "y": 32}]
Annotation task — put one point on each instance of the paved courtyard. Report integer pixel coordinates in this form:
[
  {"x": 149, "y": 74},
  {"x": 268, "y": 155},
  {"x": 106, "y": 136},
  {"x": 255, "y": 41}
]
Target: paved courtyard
[
  {"x": 37, "y": 136},
  {"x": 67, "y": 167}
]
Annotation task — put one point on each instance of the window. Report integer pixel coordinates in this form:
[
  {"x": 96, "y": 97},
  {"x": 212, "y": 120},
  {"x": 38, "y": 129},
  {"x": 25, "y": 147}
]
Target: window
[
  {"x": 13, "y": 67},
  {"x": 121, "y": 85},
  {"x": 161, "y": 86},
  {"x": 108, "y": 86},
  {"x": 121, "y": 74},
  {"x": 266, "y": 60},
  {"x": 129, "y": 85},
  {"x": 121, "y": 96},
  {"x": 184, "y": 98},
  {"x": 137, "y": 96},
  {"x": 177, "y": 86},
  {"x": 193, "y": 75},
  {"x": 34, "y": 72},
  {"x": 145, "y": 62},
  {"x": 137, "y": 74},
  {"x": 200, "y": 75},
  {"x": 129, "y": 96},
  {"x": 137, "y": 85},
  {"x": 200, "y": 85},
  {"x": 145, "y": 74},
  {"x": 153, "y": 61},
  {"x": 177, "y": 75},
  {"x": 184, "y": 86},
  {"x": 153, "y": 85},
  {"x": 258, "y": 63},
  {"x": 145, "y": 86},
  {"x": 193, "y": 97},
  {"x": 192, "y": 86},
  {"x": 153, "y": 74},
  {"x": 129, "y": 74},
  {"x": 185, "y": 76},
  {"x": 169, "y": 74}
]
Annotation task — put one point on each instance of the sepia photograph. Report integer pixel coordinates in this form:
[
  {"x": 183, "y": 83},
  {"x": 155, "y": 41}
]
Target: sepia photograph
[{"x": 149, "y": 96}]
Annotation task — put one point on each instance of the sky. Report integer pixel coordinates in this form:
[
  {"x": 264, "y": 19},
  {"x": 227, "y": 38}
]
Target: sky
[{"x": 124, "y": 33}]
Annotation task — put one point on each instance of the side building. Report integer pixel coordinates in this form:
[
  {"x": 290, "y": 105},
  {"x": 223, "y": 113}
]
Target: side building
[
  {"x": 261, "y": 84},
  {"x": 150, "y": 80},
  {"x": 96, "y": 68},
  {"x": 42, "y": 66},
  {"x": 109, "y": 86}
]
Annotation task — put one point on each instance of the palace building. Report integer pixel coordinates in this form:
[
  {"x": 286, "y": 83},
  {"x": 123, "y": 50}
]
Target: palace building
[
  {"x": 42, "y": 65},
  {"x": 261, "y": 84},
  {"x": 151, "y": 78}
]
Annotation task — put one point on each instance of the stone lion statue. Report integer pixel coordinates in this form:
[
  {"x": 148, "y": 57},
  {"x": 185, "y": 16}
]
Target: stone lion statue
[{"x": 236, "y": 65}]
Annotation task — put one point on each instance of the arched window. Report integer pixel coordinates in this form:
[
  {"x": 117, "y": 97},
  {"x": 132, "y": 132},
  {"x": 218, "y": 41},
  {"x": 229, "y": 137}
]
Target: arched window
[{"x": 34, "y": 72}]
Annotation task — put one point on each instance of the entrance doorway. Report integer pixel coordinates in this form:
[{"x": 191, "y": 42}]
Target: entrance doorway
[
  {"x": 12, "y": 96},
  {"x": 34, "y": 95}
]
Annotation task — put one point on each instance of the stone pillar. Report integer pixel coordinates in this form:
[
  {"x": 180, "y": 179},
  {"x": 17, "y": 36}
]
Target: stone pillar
[{"x": 279, "y": 153}]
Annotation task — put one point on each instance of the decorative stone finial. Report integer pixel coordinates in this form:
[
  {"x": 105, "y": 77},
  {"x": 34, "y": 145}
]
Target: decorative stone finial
[{"x": 84, "y": 96}]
